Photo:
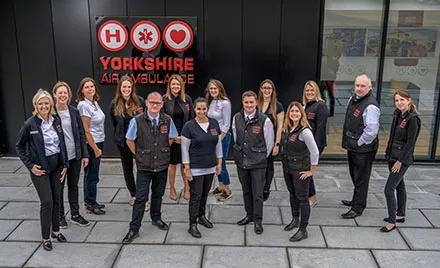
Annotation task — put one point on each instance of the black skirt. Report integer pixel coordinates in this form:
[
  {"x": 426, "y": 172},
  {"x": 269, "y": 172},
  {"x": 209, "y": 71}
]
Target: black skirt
[{"x": 176, "y": 154}]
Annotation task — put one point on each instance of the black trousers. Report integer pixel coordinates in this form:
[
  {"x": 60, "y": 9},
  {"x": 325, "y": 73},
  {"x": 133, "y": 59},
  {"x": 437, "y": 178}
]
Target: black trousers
[
  {"x": 395, "y": 183},
  {"x": 252, "y": 183},
  {"x": 72, "y": 178},
  {"x": 48, "y": 188},
  {"x": 158, "y": 183},
  {"x": 199, "y": 189},
  {"x": 312, "y": 190},
  {"x": 299, "y": 197},
  {"x": 269, "y": 173},
  {"x": 360, "y": 165},
  {"x": 127, "y": 167}
]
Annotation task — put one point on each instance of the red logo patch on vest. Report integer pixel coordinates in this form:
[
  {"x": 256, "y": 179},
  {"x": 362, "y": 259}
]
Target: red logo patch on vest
[
  {"x": 310, "y": 115},
  {"x": 214, "y": 131},
  {"x": 270, "y": 110},
  {"x": 403, "y": 123},
  {"x": 293, "y": 137},
  {"x": 356, "y": 112},
  {"x": 140, "y": 109},
  {"x": 163, "y": 129},
  {"x": 187, "y": 106},
  {"x": 256, "y": 129}
]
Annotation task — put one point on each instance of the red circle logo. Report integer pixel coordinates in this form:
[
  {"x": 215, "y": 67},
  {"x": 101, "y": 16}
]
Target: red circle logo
[
  {"x": 178, "y": 36},
  {"x": 145, "y": 36},
  {"x": 113, "y": 35}
]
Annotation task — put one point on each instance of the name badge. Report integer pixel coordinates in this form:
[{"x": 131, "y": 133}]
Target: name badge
[
  {"x": 256, "y": 129},
  {"x": 293, "y": 137},
  {"x": 163, "y": 129},
  {"x": 356, "y": 112},
  {"x": 213, "y": 131},
  {"x": 33, "y": 132}
]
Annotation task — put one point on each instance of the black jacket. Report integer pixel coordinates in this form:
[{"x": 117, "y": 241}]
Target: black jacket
[
  {"x": 30, "y": 144},
  {"x": 79, "y": 134},
  {"x": 118, "y": 121},
  {"x": 317, "y": 115},
  {"x": 187, "y": 108}
]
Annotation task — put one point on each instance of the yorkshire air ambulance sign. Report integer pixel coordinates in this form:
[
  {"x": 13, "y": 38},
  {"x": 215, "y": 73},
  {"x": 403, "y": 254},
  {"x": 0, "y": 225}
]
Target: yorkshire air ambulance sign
[{"x": 149, "y": 49}]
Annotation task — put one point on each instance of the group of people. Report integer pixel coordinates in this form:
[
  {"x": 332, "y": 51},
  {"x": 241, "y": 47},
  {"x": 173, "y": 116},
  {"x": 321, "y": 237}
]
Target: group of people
[{"x": 160, "y": 132}]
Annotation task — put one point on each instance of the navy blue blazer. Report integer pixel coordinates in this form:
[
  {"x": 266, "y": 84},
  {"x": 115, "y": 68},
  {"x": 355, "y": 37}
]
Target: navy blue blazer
[{"x": 30, "y": 144}]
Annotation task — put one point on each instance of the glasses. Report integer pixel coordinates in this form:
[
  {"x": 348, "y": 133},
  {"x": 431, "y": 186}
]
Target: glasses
[{"x": 154, "y": 103}]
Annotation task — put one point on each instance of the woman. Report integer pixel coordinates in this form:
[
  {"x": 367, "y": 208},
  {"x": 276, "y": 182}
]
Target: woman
[
  {"x": 77, "y": 154},
  {"x": 220, "y": 110},
  {"x": 202, "y": 157},
  {"x": 272, "y": 108},
  {"x": 400, "y": 154},
  {"x": 123, "y": 108},
  {"x": 40, "y": 146},
  {"x": 93, "y": 119},
  {"x": 317, "y": 115},
  {"x": 300, "y": 157},
  {"x": 179, "y": 106}
]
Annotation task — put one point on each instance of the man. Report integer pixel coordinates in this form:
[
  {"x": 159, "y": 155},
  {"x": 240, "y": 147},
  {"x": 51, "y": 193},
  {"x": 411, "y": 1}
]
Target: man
[
  {"x": 359, "y": 138},
  {"x": 149, "y": 136},
  {"x": 253, "y": 138}
]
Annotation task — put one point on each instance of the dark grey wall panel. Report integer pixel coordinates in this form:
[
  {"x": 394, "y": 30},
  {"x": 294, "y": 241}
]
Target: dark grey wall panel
[
  {"x": 146, "y": 7},
  {"x": 223, "y": 46},
  {"x": 72, "y": 41},
  {"x": 36, "y": 47},
  {"x": 12, "y": 113}
]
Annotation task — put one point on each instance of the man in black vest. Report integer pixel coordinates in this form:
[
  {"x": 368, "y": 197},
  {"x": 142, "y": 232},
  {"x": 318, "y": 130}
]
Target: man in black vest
[
  {"x": 149, "y": 136},
  {"x": 253, "y": 142},
  {"x": 359, "y": 138}
]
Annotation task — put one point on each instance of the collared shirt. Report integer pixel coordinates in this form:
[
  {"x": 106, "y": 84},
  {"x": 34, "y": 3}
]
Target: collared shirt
[
  {"x": 97, "y": 118},
  {"x": 50, "y": 137},
  {"x": 269, "y": 135},
  {"x": 132, "y": 128},
  {"x": 371, "y": 117}
]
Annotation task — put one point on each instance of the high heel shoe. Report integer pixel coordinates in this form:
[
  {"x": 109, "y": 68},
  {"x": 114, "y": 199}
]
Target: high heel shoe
[{"x": 60, "y": 237}]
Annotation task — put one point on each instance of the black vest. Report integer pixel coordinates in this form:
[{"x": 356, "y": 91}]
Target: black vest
[
  {"x": 312, "y": 109},
  {"x": 294, "y": 152},
  {"x": 399, "y": 136},
  {"x": 354, "y": 125},
  {"x": 249, "y": 148},
  {"x": 152, "y": 151}
]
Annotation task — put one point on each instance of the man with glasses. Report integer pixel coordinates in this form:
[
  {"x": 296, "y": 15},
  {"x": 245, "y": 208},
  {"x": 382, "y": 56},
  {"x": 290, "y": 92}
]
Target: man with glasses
[
  {"x": 359, "y": 138},
  {"x": 149, "y": 137}
]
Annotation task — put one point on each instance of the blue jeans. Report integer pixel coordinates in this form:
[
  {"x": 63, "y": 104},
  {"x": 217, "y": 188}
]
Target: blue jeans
[
  {"x": 224, "y": 176},
  {"x": 91, "y": 175}
]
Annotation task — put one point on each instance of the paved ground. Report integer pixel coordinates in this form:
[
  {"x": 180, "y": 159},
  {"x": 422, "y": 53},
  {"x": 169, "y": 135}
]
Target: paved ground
[{"x": 333, "y": 242}]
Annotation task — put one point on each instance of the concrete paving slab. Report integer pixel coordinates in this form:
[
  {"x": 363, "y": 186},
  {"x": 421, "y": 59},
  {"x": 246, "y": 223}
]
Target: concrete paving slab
[
  {"x": 21, "y": 211},
  {"x": 274, "y": 235},
  {"x": 407, "y": 259},
  {"x": 374, "y": 217},
  {"x": 321, "y": 185},
  {"x": 104, "y": 195},
  {"x": 177, "y": 213},
  {"x": 330, "y": 258},
  {"x": 418, "y": 200},
  {"x": 2, "y": 204},
  {"x": 10, "y": 165},
  {"x": 236, "y": 199},
  {"x": 22, "y": 170},
  {"x": 433, "y": 216},
  {"x": 123, "y": 196},
  {"x": 66, "y": 255},
  {"x": 7, "y": 226},
  {"x": 221, "y": 234},
  {"x": 18, "y": 194},
  {"x": 7, "y": 179},
  {"x": 109, "y": 181},
  {"x": 383, "y": 172},
  {"x": 428, "y": 186},
  {"x": 321, "y": 216},
  {"x": 232, "y": 214},
  {"x": 30, "y": 230},
  {"x": 277, "y": 199},
  {"x": 362, "y": 238},
  {"x": 427, "y": 173},
  {"x": 422, "y": 238},
  {"x": 113, "y": 212},
  {"x": 110, "y": 167},
  {"x": 15, "y": 254},
  {"x": 245, "y": 257},
  {"x": 170, "y": 256},
  {"x": 108, "y": 232},
  {"x": 334, "y": 200}
]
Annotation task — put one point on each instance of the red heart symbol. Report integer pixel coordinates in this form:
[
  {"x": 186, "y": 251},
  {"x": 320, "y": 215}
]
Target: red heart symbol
[{"x": 178, "y": 36}]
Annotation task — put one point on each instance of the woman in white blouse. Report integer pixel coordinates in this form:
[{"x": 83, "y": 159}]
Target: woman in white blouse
[{"x": 93, "y": 119}]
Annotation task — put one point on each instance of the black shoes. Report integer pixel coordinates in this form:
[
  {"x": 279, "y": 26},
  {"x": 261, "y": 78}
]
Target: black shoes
[
  {"x": 266, "y": 195},
  {"x": 293, "y": 224},
  {"x": 351, "y": 214},
  {"x": 258, "y": 228},
  {"x": 47, "y": 245},
  {"x": 245, "y": 221},
  {"x": 301, "y": 234},
  {"x": 397, "y": 220},
  {"x": 386, "y": 230},
  {"x": 132, "y": 235},
  {"x": 347, "y": 203},
  {"x": 205, "y": 222},
  {"x": 63, "y": 223},
  {"x": 79, "y": 220},
  {"x": 60, "y": 237},
  {"x": 95, "y": 209},
  {"x": 194, "y": 231},
  {"x": 160, "y": 224}
]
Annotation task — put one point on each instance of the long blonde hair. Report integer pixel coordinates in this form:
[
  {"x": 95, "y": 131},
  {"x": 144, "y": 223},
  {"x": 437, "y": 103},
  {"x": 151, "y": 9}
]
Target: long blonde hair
[
  {"x": 405, "y": 94},
  {"x": 288, "y": 123},
  {"x": 168, "y": 94},
  {"x": 315, "y": 88},
  {"x": 41, "y": 93},
  {"x": 273, "y": 99},
  {"x": 129, "y": 106}
]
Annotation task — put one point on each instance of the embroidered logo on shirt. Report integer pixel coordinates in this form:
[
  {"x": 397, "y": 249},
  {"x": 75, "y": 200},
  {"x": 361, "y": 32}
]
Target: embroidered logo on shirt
[
  {"x": 59, "y": 128},
  {"x": 293, "y": 137},
  {"x": 256, "y": 129},
  {"x": 217, "y": 108},
  {"x": 403, "y": 123},
  {"x": 356, "y": 112},
  {"x": 163, "y": 129},
  {"x": 187, "y": 106},
  {"x": 214, "y": 131},
  {"x": 310, "y": 115}
]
